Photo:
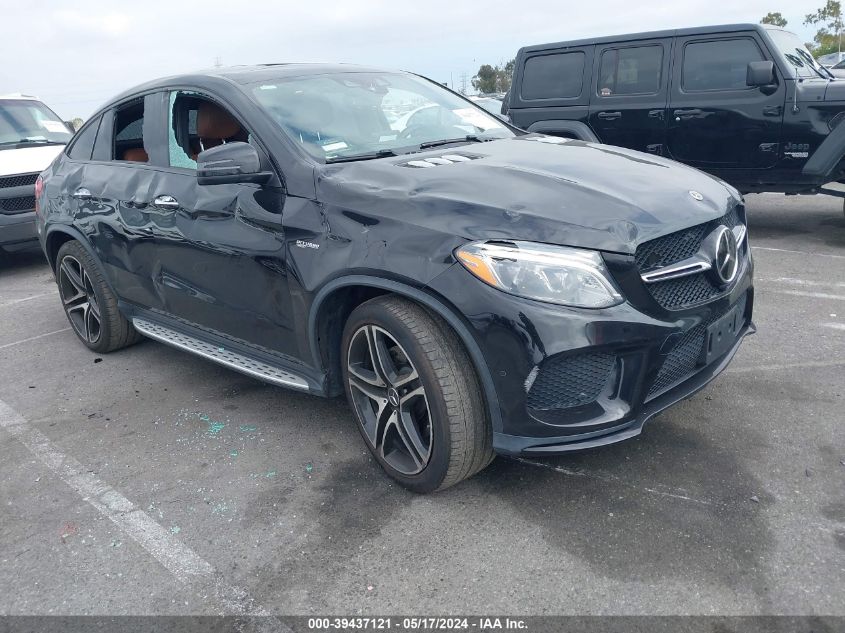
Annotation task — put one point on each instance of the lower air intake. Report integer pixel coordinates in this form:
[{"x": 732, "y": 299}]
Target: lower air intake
[{"x": 563, "y": 382}]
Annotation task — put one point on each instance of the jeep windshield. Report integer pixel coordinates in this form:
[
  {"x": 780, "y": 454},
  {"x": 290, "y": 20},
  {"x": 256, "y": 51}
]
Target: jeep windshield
[
  {"x": 340, "y": 117},
  {"x": 797, "y": 55},
  {"x": 27, "y": 122}
]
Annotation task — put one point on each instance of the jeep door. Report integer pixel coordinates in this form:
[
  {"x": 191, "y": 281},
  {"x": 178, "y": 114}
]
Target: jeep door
[
  {"x": 630, "y": 92},
  {"x": 716, "y": 121}
]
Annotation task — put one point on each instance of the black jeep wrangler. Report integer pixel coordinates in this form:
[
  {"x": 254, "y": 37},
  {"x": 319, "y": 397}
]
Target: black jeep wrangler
[{"x": 744, "y": 102}]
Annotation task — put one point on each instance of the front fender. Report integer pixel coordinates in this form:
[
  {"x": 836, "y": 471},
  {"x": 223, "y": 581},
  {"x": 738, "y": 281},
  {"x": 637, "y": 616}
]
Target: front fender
[{"x": 428, "y": 300}]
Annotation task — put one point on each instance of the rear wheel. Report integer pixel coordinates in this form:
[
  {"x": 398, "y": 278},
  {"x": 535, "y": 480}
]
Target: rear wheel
[
  {"x": 88, "y": 302},
  {"x": 415, "y": 395}
]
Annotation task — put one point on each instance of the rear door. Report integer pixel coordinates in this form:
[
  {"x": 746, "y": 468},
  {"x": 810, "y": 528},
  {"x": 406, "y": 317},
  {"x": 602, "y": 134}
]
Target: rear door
[
  {"x": 630, "y": 92},
  {"x": 716, "y": 121}
]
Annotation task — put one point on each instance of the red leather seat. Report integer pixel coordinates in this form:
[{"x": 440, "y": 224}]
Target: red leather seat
[
  {"x": 136, "y": 155},
  {"x": 215, "y": 126}
]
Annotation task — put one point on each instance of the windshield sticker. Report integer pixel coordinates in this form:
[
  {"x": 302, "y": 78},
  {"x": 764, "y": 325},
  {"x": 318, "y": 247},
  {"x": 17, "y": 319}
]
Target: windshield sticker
[
  {"x": 54, "y": 126},
  {"x": 333, "y": 147}
]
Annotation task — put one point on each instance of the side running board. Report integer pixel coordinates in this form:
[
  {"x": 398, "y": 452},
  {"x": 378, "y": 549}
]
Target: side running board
[{"x": 229, "y": 358}]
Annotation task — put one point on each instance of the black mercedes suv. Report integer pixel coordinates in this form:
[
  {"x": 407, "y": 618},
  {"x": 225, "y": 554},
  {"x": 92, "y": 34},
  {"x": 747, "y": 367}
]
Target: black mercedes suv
[
  {"x": 744, "y": 102},
  {"x": 472, "y": 288}
]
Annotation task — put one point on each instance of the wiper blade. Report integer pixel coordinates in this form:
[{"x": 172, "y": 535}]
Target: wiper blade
[
  {"x": 812, "y": 64},
  {"x": 382, "y": 153},
  {"x": 469, "y": 138}
]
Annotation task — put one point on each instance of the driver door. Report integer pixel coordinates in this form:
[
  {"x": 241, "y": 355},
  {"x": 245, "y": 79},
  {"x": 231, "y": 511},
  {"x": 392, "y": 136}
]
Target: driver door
[
  {"x": 221, "y": 251},
  {"x": 715, "y": 120}
]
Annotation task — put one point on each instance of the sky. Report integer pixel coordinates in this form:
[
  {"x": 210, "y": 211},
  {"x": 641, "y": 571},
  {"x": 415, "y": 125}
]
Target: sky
[{"x": 76, "y": 55}]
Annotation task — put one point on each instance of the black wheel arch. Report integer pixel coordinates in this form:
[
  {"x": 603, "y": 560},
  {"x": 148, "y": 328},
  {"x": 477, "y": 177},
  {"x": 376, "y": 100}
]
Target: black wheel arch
[
  {"x": 572, "y": 129},
  {"x": 365, "y": 287}
]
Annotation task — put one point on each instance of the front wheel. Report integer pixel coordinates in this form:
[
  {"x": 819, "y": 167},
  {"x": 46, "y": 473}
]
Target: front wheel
[{"x": 415, "y": 395}]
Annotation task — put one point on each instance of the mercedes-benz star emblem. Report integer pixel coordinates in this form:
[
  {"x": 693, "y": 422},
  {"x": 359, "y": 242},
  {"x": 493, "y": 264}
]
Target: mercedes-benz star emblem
[
  {"x": 696, "y": 196},
  {"x": 393, "y": 397},
  {"x": 727, "y": 256}
]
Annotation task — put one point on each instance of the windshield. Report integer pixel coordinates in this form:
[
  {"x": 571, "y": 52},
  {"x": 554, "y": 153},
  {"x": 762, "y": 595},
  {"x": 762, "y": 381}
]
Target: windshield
[
  {"x": 342, "y": 115},
  {"x": 27, "y": 121},
  {"x": 796, "y": 54},
  {"x": 494, "y": 106}
]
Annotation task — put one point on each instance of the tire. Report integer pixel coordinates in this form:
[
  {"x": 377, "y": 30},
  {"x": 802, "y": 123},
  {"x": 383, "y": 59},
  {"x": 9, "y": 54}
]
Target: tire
[
  {"x": 89, "y": 304},
  {"x": 417, "y": 400}
]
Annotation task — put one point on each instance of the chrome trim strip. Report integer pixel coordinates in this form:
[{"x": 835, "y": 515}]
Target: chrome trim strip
[
  {"x": 740, "y": 232},
  {"x": 696, "y": 264},
  {"x": 689, "y": 266},
  {"x": 227, "y": 358}
]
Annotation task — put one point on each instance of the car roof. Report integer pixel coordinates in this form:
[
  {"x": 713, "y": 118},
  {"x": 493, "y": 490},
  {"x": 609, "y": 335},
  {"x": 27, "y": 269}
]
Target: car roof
[
  {"x": 648, "y": 35},
  {"x": 248, "y": 74}
]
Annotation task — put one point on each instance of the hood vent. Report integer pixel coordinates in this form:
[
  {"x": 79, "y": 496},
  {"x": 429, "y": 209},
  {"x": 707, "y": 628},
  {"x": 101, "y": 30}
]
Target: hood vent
[{"x": 434, "y": 161}]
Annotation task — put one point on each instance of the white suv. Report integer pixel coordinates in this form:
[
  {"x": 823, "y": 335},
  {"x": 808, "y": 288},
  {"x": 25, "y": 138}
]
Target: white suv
[{"x": 31, "y": 136}]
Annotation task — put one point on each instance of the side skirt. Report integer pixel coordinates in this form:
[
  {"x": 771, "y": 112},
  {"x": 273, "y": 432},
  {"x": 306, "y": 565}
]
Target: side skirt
[{"x": 233, "y": 356}]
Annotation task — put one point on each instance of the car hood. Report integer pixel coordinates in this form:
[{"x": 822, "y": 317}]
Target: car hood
[
  {"x": 25, "y": 160},
  {"x": 537, "y": 188}
]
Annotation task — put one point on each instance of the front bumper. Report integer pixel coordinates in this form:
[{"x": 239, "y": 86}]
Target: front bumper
[
  {"x": 17, "y": 231},
  {"x": 628, "y": 347}
]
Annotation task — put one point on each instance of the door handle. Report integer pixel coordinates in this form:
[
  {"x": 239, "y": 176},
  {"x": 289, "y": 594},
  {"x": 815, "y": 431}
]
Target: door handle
[
  {"x": 685, "y": 114},
  {"x": 166, "y": 202},
  {"x": 81, "y": 194},
  {"x": 656, "y": 114},
  {"x": 609, "y": 116},
  {"x": 772, "y": 110}
]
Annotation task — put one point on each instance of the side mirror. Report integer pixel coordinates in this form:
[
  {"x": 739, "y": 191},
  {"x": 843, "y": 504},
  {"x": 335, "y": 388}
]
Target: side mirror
[
  {"x": 70, "y": 126},
  {"x": 760, "y": 74},
  {"x": 235, "y": 162}
]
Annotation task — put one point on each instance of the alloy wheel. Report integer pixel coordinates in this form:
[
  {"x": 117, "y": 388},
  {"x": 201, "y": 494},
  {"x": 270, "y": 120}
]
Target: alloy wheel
[
  {"x": 390, "y": 399},
  {"x": 79, "y": 300}
]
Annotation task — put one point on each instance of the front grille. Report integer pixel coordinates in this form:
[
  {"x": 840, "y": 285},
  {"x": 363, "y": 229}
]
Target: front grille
[
  {"x": 17, "y": 181},
  {"x": 683, "y": 360},
  {"x": 17, "y": 205},
  {"x": 683, "y": 292},
  {"x": 563, "y": 382}
]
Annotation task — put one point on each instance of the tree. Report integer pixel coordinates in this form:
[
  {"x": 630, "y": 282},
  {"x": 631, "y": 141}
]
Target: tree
[
  {"x": 774, "y": 18},
  {"x": 485, "y": 78},
  {"x": 506, "y": 75},
  {"x": 828, "y": 38},
  {"x": 494, "y": 78}
]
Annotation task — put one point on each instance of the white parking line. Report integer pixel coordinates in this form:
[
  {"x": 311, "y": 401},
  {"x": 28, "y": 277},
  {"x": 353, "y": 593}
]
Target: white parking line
[
  {"x": 792, "y": 281},
  {"x": 834, "y": 326},
  {"x": 14, "y": 302},
  {"x": 179, "y": 559},
  {"x": 779, "y": 367},
  {"x": 34, "y": 338},
  {"x": 785, "y": 250},
  {"x": 806, "y": 293},
  {"x": 675, "y": 494}
]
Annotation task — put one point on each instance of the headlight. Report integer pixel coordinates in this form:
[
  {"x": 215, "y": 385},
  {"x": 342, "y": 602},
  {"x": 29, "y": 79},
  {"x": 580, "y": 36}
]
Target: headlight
[{"x": 556, "y": 274}]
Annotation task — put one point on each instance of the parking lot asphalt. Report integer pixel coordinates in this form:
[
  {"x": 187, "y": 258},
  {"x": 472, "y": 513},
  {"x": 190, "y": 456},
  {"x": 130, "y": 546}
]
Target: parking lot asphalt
[{"x": 149, "y": 481}]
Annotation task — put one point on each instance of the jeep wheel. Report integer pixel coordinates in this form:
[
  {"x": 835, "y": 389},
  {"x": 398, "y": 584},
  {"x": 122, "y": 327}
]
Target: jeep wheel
[{"x": 417, "y": 400}]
